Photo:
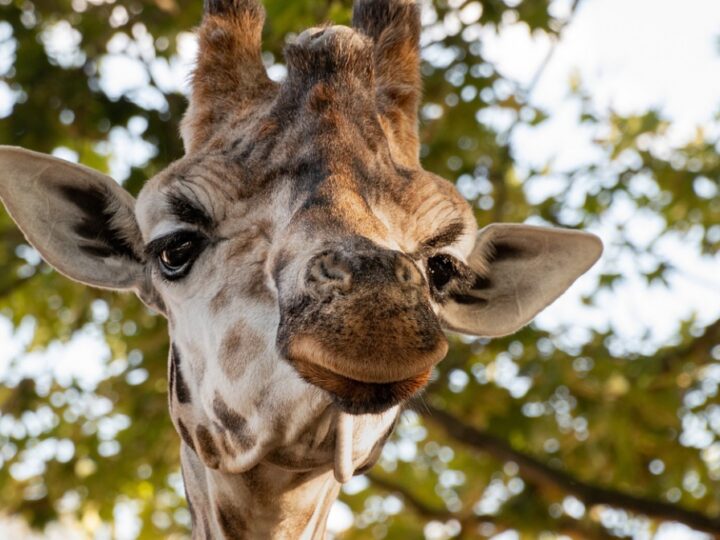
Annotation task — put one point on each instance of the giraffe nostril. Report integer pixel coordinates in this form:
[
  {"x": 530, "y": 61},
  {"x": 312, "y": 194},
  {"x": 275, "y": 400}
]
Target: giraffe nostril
[
  {"x": 330, "y": 272},
  {"x": 337, "y": 271}
]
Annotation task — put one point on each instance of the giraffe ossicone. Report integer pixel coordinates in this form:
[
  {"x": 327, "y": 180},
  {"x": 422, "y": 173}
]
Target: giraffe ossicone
[{"x": 305, "y": 261}]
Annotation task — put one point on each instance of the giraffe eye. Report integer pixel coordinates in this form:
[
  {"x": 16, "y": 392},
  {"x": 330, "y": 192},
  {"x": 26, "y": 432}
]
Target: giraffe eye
[
  {"x": 176, "y": 258},
  {"x": 441, "y": 270},
  {"x": 177, "y": 252}
]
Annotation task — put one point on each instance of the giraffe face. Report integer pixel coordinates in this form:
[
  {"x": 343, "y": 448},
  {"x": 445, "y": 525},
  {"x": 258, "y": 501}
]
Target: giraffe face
[
  {"x": 302, "y": 255},
  {"x": 301, "y": 214},
  {"x": 336, "y": 265}
]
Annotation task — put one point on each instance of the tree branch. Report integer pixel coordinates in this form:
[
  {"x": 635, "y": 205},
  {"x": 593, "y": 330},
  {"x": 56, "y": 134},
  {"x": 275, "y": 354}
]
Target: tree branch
[
  {"x": 469, "y": 520},
  {"x": 420, "y": 507},
  {"x": 540, "y": 474}
]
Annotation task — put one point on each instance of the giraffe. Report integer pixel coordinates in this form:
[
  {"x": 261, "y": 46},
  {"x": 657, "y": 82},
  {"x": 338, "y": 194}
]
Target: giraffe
[{"x": 305, "y": 261}]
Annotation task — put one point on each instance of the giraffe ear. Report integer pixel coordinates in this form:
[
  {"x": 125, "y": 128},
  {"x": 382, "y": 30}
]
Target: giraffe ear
[
  {"x": 81, "y": 221},
  {"x": 520, "y": 270}
]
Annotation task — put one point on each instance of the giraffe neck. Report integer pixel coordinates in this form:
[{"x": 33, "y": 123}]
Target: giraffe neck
[
  {"x": 264, "y": 458},
  {"x": 266, "y": 501},
  {"x": 289, "y": 491}
]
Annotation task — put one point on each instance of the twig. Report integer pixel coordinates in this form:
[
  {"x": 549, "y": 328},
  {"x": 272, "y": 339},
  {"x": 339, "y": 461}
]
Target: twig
[{"x": 469, "y": 520}]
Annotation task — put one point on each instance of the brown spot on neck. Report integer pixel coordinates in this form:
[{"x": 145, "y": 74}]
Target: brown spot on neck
[
  {"x": 234, "y": 423},
  {"x": 231, "y": 521},
  {"x": 207, "y": 449},
  {"x": 221, "y": 300},
  {"x": 182, "y": 391},
  {"x": 185, "y": 435},
  {"x": 206, "y": 528}
]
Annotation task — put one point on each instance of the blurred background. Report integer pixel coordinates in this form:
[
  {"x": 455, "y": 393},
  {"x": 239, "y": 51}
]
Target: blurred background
[{"x": 600, "y": 420}]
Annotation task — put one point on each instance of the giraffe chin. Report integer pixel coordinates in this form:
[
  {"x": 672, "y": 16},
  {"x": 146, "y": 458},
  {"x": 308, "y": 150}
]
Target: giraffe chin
[{"x": 356, "y": 397}]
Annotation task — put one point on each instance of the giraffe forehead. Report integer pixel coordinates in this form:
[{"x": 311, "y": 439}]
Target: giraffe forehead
[
  {"x": 306, "y": 170},
  {"x": 326, "y": 153}
]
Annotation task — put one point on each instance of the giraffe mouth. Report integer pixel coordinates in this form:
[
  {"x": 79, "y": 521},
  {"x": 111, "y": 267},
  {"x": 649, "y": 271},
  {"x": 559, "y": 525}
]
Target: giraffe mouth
[
  {"x": 358, "y": 397},
  {"x": 376, "y": 362}
]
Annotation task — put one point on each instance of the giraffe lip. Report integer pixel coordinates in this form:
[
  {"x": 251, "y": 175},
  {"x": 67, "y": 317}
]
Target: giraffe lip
[
  {"x": 378, "y": 364},
  {"x": 358, "y": 397}
]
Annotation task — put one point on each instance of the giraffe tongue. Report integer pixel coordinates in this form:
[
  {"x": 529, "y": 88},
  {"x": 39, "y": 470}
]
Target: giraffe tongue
[{"x": 344, "y": 448}]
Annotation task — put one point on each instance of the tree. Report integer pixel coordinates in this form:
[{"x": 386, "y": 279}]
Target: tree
[{"x": 534, "y": 432}]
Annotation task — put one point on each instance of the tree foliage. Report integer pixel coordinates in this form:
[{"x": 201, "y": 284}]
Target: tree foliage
[{"x": 543, "y": 431}]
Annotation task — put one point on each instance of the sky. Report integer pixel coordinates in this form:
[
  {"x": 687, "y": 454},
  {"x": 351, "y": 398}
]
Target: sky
[{"x": 631, "y": 55}]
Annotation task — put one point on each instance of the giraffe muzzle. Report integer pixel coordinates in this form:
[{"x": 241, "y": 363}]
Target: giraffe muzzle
[
  {"x": 362, "y": 327},
  {"x": 369, "y": 353}
]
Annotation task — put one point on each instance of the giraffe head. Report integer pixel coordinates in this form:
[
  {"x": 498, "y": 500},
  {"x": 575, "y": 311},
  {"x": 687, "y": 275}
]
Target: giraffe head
[{"x": 299, "y": 250}]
